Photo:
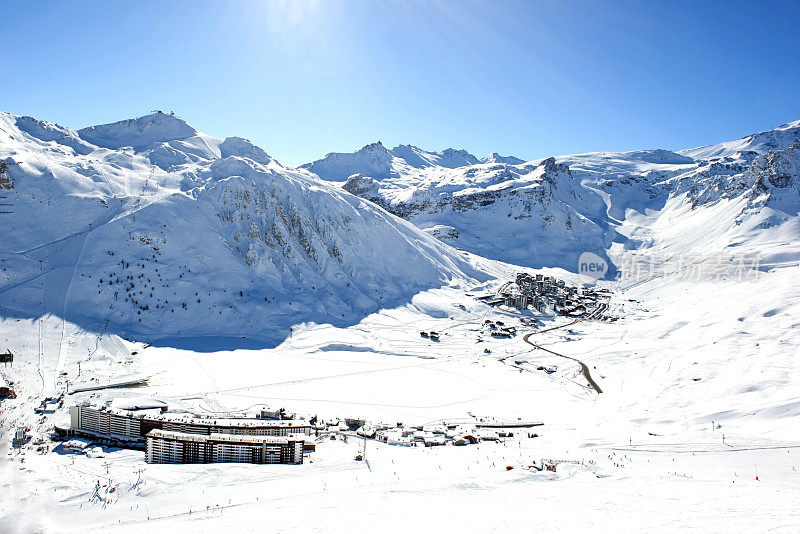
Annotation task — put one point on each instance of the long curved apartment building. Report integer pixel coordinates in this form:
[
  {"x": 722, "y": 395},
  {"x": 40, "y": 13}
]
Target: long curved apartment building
[
  {"x": 187, "y": 438},
  {"x": 168, "y": 447}
]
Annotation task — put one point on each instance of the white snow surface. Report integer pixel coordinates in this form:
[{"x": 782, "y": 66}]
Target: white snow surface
[
  {"x": 685, "y": 354},
  {"x": 160, "y": 232},
  {"x": 377, "y": 161},
  {"x": 547, "y": 212},
  {"x": 696, "y": 428}
]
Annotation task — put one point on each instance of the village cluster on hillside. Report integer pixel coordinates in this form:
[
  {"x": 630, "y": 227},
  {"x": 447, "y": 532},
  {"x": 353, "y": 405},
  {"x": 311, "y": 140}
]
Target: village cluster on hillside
[{"x": 550, "y": 295}]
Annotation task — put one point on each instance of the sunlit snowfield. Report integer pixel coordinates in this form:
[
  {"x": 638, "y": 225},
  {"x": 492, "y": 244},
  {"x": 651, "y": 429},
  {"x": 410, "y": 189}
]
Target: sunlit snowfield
[
  {"x": 681, "y": 355},
  {"x": 696, "y": 426},
  {"x": 461, "y": 266}
]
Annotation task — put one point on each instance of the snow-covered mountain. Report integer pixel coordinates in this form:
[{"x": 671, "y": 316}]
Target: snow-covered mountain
[
  {"x": 156, "y": 230},
  {"x": 776, "y": 139},
  {"x": 152, "y": 229},
  {"x": 168, "y": 141},
  {"x": 164, "y": 234},
  {"x": 379, "y": 162},
  {"x": 546, "y": 212},
  {"x": 494, "y": 157},
  {"x": 534, "y": 215},
  {"x": 420, "y": 159},
  {"x": 733, "y": 197}
]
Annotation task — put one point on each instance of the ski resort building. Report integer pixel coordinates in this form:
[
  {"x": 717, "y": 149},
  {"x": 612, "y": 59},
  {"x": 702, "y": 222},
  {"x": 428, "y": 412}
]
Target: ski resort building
[
  {"x": 516, "y": 300},
  {"x": 170, "y": 447},
  {"x": 543, "y": 293},
  {"x": 130, "y": 427}
]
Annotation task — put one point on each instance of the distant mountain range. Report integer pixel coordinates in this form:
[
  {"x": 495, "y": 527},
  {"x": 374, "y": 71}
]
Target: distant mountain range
[
  {"x": 379, "y": 162},
  {"x": 546, "y": 212},
  {"x": 153, "y": 230}
]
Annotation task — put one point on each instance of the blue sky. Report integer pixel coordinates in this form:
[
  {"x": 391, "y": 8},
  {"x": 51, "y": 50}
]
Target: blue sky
[{"x": 301, "y": 79}]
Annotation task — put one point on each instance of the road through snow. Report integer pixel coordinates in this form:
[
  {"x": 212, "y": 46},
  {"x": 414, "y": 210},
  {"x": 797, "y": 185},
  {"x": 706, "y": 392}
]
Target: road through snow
[{"x": 584, "y": 367}]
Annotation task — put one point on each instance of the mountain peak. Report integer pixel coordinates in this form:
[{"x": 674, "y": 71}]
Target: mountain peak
[
  {"x": 494, "y": 157},
  {"x": 371, "y": 160},
  {"x": 238, "y": 146},
  {"x": 140, "y": 132},
  {"x": 376, "y": 146},
  {"x": 419, "y": 158},
  {"x": 376, "y": 161},
  {"x": 778, "y": 138},
  {"x": 269, "y": 230}
]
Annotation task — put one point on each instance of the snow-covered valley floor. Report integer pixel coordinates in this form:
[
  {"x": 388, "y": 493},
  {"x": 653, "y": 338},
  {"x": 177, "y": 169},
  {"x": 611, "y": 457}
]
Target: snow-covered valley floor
[{"x": 684, "y": 356}]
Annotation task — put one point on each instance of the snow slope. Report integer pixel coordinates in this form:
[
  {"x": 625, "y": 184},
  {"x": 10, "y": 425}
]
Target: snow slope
[
  {"x": 494, "y": 157},
  {"x": 531, "y": 215},
  {"x": 151, "y": 229},
  {"x": 696, "y": 428},
  {"x": 776, "y": 139},
  {"x": 547, "y": 212},
  {"x": 379, "y": 162},
  {"x": 698, "y": 401}
]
